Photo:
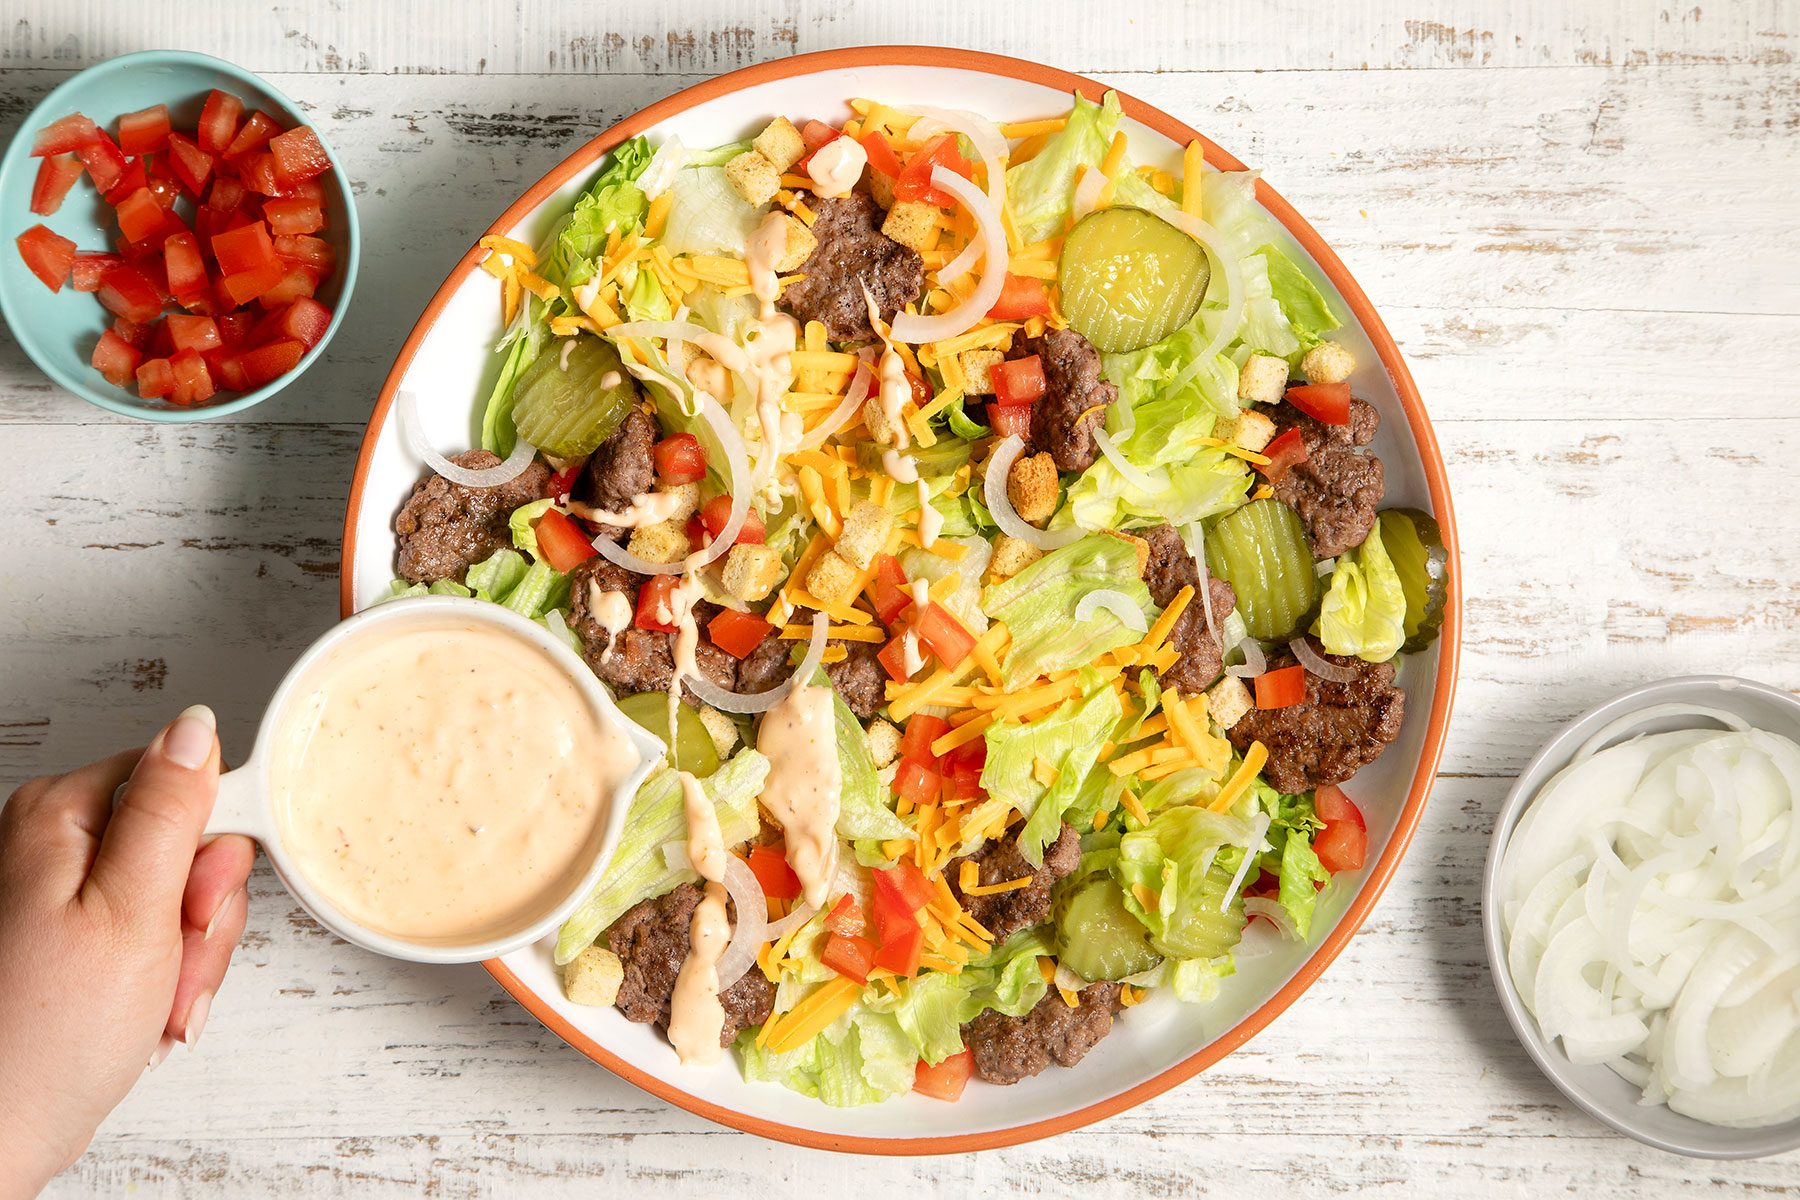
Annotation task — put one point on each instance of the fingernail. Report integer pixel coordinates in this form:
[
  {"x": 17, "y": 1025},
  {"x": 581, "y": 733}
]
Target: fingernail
[
  {"x": 196, "y": 1021},
  {"x": 162, "y": 1051},
  {"x": 219, "y": 913},
  {"x": 189, "y": 741}
]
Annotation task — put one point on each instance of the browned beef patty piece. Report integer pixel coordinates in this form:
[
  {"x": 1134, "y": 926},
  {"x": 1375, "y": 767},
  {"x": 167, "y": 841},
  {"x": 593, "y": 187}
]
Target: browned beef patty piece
[
  {"x": 637, "y": 660},
  {"x": 1074, "y": 403},
  {"x": 1169, "y": 569},
  {"x": 1336, "y": 731},
  {"x": 1008, "y": 1049},
  {"x": 621, "y": 470},
  {"x": 445, "y": 528},
  {"x": 1003, "y": 914},
  {"x": 652, "y": 940},
  {"x": 852, "y": 254},
  {"x": 859, "y": 678},
  {"x": 1336, "y": 489}
]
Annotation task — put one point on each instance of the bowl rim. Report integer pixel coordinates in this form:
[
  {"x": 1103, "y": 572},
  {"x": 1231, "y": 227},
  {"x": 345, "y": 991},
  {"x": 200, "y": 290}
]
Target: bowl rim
[
  {"x": 118, "y": 400},
  {"x": 1549, "y": 1058},
  {"x": 583, "y": 159}
]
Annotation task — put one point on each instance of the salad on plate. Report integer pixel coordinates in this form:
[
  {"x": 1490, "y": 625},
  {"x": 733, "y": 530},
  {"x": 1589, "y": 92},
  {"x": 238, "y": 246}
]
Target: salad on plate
[{"x": 988, "y": 527}]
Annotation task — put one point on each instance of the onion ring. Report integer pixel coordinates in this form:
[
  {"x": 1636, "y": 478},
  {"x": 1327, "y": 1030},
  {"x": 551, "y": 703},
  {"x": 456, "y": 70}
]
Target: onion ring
[
  {"x": 405, "y": 408},
  {"x": 1317, "y": 665},
  {"x": 917, "y": 329},
  {"x": 1255, "y": 662},
  {"x": 750, "y": 930},
  {"x": 990, "y": 144},
  {"x": 730, "y": 355},
  {"x": 740, "y": 702}
]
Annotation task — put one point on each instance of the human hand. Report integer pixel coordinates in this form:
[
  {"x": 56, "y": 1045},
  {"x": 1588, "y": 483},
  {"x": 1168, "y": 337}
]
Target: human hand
[{"x": 116, "y": 926}]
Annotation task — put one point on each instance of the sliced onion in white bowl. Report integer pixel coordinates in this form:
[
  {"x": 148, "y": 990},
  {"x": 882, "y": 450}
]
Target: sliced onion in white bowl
[
  {"x": 1255, "y": 662},
  {"x": 406, "y": 409},
  {"x": 1317, "y": 665},
  {"x": 993, "y": 489},
  {"x": 740, "y": 702},
  {"x": 737, "y": 473},
  {"x": 917, "y": 329},
  {"x": 1115, "y": 602},
  {"x": 1135, "y": 476},
  {"x": 990, "y": 144},
  {"x": 844, "y": 413}
]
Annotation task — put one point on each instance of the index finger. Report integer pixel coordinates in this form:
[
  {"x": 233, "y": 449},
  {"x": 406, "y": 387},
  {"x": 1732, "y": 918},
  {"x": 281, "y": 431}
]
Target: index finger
[{"x": 149, "y": 843}]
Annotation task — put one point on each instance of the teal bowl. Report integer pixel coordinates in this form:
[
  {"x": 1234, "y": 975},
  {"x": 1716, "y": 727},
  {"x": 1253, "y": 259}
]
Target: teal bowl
[{"x": 59, "y": 330}]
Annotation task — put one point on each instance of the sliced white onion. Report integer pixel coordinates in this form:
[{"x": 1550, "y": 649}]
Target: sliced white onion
[
  {"x": 1253, "y": 849},
  {"x": 845, "y": 412},
  {"x": 659, "y": 173},
  {"x": 1204, "y": 584},
  {"x": 1232, "y": 315},
  {"x": 1272, "y": 912},
  {"x": 990, "y": 144},
  {"x": 1324, "y": 567},
  {"x": 730, "y": 355},
  {"x": 800, "y": 916},
  {"x": 917, "y": 329},
  {"x": 1115, "y": 602},
  {"x": 741, "y": 702},
  {"x": 750, "y": 930},
  {"x": 737, "y": 471},
  {"x": 405, "y": 408},
  {"x": 993, "y": 489},
  {"x": 1255, "y": 662},
  {"x": 1317, "y": 665},
  {"x": 1087, "y": 193},
  {"x": 1130, "y": 474}
]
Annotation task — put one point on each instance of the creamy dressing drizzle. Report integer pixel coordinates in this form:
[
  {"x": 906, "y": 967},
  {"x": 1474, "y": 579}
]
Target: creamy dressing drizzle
[
  {"x": 799, "y": 738},
  {"x": 931, "y": 521},
  {"x": 612, "y": 609},
  {"x": 895, "y": 391},
  {"x": 562, "y": 359},
  {"x": 836, "y": 166},
  {"x": 770, "y": 343},
  {"x": 679, "y": 612},
  {"x": 696, "y": 1017},
  {"x": 611, "y": 380},
  {"x": 705, "y": 841},
  {"x": 651, "y": 508},
  {"x": 900, "y": 466}
]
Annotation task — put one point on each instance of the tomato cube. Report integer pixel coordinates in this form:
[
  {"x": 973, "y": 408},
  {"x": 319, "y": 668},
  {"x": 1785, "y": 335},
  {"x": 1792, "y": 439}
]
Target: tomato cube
[
  {"x": 227, "y": 194},
  {"x": 140, "y": 216},
  {"x": 944, "y": 634},
  {"x": 265, "y": 364},
  {"x": 901, "y": 944},
  {"x": 947, "y": 1080},
  {"x": 144, "y": 132},
  {"x": 246, "y": 248},
  {"x": 306, "y": 321},
  {"x": 296, "y": 284},
  {"x": 771, "y": 869},
  {"x": 219, "y": 121},
  {"x": 738, "y": 633},
  {"x": 914, "y": 182},
  {"x": 61, "y": 136},
  {"x": 560, "y": 541},
  {"x": 244, "y": 286},
  {"x": 193, "y": 382},
  {"x": 1284, "y": 454},
  {"x": 228, "y": 371},
  {"x": 155, "y": 378},
  {"x": 186, "y": 267},
  {"x": 193, "y": 166},
  {"x": 194, "y": 333},
  {"x": 307, "y": 252},
  {"x": 89, "y": 269},
  {"x": 1020, "y": 381},
  {"x": 1281, "y": 688},
  {"x": 1327, "y": 402},
  {"x": 296, "y": 215},
  {"x": 680, "y": 458},
  {"x": 917, "y": 783},
  {"x": 893, "y": 658},
  {"x": 900, "y": 888},
  {"x": 234, "y": 327},
  {"x": 1009, "y": 420},
  {"x": 135, "y": 335},
  {"x": 656, "y": 604},
  {"x": 888, "y": 589},
  {"x": 850, "y": 956},
  {"x": 127, "y": 292},
  {"x": 299, "y": 155},
  {"x": 254, "y": 135},
  {"x": 133, "y": 178},
  {"x": 161, "y": 179},
  {"x": 103, "y": 161},
  {"x": 55, "y": 176},
  {"x": 1343, "y": 845},
  {"x": 50, "y": 256},
  {"x": 1021, "y": 297},
  {"x": 117, "y": 359},
  {"x": 717, "y": 511},
  {"x": 257, "y": 170},
  {"x": 881, "y": 155},
  {"x": 846, "y": 917},
  {"x": 921, "y": 731}
]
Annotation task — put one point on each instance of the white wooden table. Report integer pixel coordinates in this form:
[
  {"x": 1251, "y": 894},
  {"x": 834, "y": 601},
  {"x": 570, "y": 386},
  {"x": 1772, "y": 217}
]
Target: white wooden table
[{"x": 1582, "y": 222}]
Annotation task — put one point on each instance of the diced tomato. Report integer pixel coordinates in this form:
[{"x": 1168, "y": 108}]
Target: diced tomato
[
  {"x": 921, "y": 731},
  {"x": 144, "y": 132},
  {"x": 244, "y": 249},
  {"x": 881, "y": 155},
  {"x": 561, "y": 542},
  {"x": 103, "y": 160},
  {"x": 133, "y": 178},
  {"x": 1333, "y": 806},
  {"x": 947, "y": 1080},
  {"x": 737, "y": 633},
  {"x": 245, "y": 286},
  {"x": 1010, "y": 419},
  {"x": 61, "y": 136},
  {"x": 55, "y": 176},
  {"x": 134, "y": 335},
  {"x": 307, "y": 252},
  {"x": 846, "y": 917},
  {"x": 893, "y": 658},
  {"x": 219, "y": 121},
  {"x": 680, "y": 458},
  {"x": 815, "y": 134},
  {"x": 306, "y": 321},
  {"x": 653, "y": 601},
  {"x": 193, "y": 382},
  {"x": 944, "y": 634},
  {"x": 117, "y": 359},
  {"x": 228, "y": 369},
  {"x": 1327, "y": 402},
  {"x": 265, "y": 364},
  {"x": 257, "y": 170},
  {"x": 159, "y": 344},
  {"x": 161, "y": 179},
  {"x": 962, "y": 767},
  {"x": 850, "y": 956},
  {"x": 140, "y": 215},
  {"x": 186, "y": 267},
  {"x": 255, "y": 133},
  {"x": 717, "y": 511},
  {"x": 128, "y": 293},
  {"x": 298, "y": 155},
  {"x": 1019, "y": 381},
  {"x": 291, "y": 216},
  {"x": 901, "y": 943},
  {"x": 1284, "y": 454},
  {"x": 1279, "y": 689},
  {"x": 193, "y": 166},
  {"x": 194, "y": 333},
  {"x": 297, "y": 283},
  {"x": 889, "y": 589},
  {"x": 227, "y": 195},
  {"x": 155, "y": 378},
  {"x": 917, "y": 783},
  {"x": 1343, "y": 845},
  {"x": 1021, "y": 297},
  {"x": 50, "y": 256},
  {"x": 900, "y": 888},
  {"x": 914, "y": 181},
  {"x": 771, "y": 869},
  {"x": 90, "y": 269},
  {"x": 234, "y": 328}
]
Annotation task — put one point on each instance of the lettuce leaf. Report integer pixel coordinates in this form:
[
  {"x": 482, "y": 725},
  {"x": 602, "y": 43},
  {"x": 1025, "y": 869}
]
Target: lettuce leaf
[
  {"x": 935, "y": 1007},
  {"x": 612, "y": 201},
  {"x": 863, "y": 813},
  {"x": 1038, "y": 606},
  {"x": 522, "y": 524},
  {"x": 864, "y": 1057},
  {"x": 1364, "y": 610},
  {"x": 1185, "y": 859},
  {"x": 1041, "y": 192},
  {"x": 1309, "y": 314},
  {"x": 1069, "y": 740},
  {"x": 706, "y": 216}
]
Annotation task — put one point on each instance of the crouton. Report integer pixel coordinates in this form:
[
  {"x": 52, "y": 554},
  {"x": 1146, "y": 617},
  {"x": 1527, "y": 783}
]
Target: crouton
[
  {"x": 1251, "y": 430},
  {"x": 753, "y": 177},
  {"x": 913, "y": 224},
  {"x": 1138, "y": 546},
  {"x": 800, "y": 244},
  {"x": 780, "y": 143},
  {"x": 1227, "y": 701},
  {"x": 884, "y": 742},
  {"x": 1327, "y": 362},
  {"x": 1263, "y": 379},
  {"x": 663, "y": 542},
  {"x": 881, "y": 188},
  {"x": 881, "y": 430},
  {"x": 832, "y": 579},
  {"x": 751, "y": 571},
  {"x": 978, "y": 369},
  {"x": 593, "y": 977},
  {"x": 684, "y": 499},
  {"x": 1011, "y": 555},
  {"x": 720, "y": 728},
  {"x": 866, "y": 529},
  {"x": 1031, "y": 485}
]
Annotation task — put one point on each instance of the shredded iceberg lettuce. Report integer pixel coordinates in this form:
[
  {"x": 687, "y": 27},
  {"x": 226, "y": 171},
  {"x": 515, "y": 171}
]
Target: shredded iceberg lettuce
[
  {"x": 1364, "y": 610},
  {"x": 1038, "y": 607},
  {"x": 1041, "y": 192},
  {"x": 1069, "y": 741}
]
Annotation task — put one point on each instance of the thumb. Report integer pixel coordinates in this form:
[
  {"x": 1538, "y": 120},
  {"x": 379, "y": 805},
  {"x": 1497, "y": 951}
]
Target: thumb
[{"x": 149, "y": 843}]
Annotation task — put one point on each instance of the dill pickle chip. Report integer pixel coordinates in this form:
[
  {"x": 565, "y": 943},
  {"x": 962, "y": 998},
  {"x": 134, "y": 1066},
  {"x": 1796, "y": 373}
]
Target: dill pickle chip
[
  {"x": 692, "y": 747},
  {"x": 1129, "y": 279},
  {"x": 573, "y": 397},
  {"x": 1262, "y": 552},
  {"x": 1415, "y": 545},
  {"x": 1098, "y": 938}
]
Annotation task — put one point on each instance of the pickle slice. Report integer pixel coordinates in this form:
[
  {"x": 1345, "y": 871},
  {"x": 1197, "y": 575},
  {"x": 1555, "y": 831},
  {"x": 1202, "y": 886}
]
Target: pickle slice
[
  {"x": 1262, "y": 552},
  {"x": 692, "y": 747},
  {"x": 1098, "y": 938},
  {"x": 573, "y": 397},
  {"x": 1416, "y": 546},
  {"x": 1129, "y": 279}
]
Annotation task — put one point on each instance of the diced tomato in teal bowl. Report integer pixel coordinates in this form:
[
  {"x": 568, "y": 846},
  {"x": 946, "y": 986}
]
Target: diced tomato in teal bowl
[{"x": 203, "y": 257}]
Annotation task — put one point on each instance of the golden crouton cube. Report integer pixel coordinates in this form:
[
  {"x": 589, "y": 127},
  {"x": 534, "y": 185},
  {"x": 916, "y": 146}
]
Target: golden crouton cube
[
  {"x": 978, "y": 369},
  {"x": 1327, "y": 362},
  {"x": 720, "y": 728},
  {"x": 663, "y": 542},
  {"x": 1227, "y": 701},
  {"x": 1031, "y": 485},
  {"x": 1249, "y": 431},
  {"x": 684, "y": 499},
  {"x": 832, "y": 579},
  {"x": 913, "y": 224},
  {"x": 866, "y": 529},
  {"x": 593, "y": 977},
  {"x": 800, "y": 244},
  {"x": 753, "y": 177},
  {"x": 781, "y": 144},
  {"x": 881, "y": 188},
  {"x": 1011, "y": 555},
  {"x": 881, "y": 430},
  {"x": 884, "y": 742},
  {"x": 751, "y": 571},
  {"x": 1263, "y": 379}
]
